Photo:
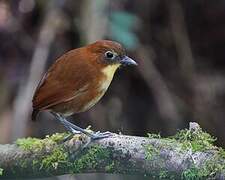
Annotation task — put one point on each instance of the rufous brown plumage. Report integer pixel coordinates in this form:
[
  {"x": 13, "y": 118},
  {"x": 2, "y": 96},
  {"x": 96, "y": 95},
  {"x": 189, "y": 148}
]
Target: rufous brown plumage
[{"x": 79, "y": 78}]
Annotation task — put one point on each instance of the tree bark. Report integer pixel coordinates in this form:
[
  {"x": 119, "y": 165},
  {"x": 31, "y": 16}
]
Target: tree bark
[{"x": 156, "y": 157}]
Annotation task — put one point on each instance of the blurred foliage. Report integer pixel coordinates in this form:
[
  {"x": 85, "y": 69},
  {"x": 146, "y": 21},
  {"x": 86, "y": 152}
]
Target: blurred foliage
[{"x": 122, "y": 26}]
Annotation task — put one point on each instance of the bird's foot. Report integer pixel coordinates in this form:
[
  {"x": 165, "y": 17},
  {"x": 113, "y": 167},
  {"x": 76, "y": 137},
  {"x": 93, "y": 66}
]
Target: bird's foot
[
  {"x": 99, "y": 135},
  {"x": 77, "y": 130},
  {"x": 73, "y": 131},
  {"x": 71, "y": 135}
]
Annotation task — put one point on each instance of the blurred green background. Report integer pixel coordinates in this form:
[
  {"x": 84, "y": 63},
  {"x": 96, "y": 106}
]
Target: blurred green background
[{"x": 179, "y": 46}]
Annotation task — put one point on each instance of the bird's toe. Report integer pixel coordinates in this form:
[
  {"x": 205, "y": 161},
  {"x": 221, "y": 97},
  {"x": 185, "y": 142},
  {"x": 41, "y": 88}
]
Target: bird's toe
[{"x": 99, "y": 135}]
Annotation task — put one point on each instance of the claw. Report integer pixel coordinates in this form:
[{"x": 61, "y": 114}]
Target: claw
[
  {"x": 75, "y": 131},
  {"x": 99, "y": 135}
]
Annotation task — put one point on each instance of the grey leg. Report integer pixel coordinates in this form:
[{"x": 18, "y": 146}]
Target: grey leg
[
  {"x": 65, "y": 124},
  {"x": 76, "y": 129}
]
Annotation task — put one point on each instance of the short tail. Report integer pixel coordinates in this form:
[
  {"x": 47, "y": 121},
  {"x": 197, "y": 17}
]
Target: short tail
[{"x": 34, "y": 114}]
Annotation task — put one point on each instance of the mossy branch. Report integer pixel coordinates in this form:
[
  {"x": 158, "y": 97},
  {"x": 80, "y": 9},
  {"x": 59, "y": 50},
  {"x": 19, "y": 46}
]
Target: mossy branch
[{"x": 190, "y": 154}]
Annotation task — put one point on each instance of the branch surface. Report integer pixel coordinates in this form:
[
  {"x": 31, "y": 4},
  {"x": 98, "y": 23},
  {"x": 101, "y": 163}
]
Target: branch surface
[{"x": 189, "y": 154}]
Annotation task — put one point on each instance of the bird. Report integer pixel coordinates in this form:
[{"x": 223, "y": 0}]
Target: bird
[{"x": 77, "y": 80}]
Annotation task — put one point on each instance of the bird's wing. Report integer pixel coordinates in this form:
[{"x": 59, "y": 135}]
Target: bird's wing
[
  {"x": 53, "y": 93},
  {"x": 66, "y": 79}
]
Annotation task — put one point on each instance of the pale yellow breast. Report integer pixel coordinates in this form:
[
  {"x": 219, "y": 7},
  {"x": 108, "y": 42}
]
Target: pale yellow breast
[{"x": 108, "y": 72}]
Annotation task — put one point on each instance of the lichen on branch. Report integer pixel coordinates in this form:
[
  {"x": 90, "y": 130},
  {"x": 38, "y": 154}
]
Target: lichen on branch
[{"x": 190, "y": 154}]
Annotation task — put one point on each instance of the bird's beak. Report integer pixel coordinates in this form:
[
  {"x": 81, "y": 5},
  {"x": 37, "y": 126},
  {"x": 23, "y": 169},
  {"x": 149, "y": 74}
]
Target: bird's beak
[{"x": 128, "y": 61}]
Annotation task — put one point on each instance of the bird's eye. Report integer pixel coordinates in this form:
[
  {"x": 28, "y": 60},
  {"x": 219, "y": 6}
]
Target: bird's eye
[{"x": 109, "y": 55}]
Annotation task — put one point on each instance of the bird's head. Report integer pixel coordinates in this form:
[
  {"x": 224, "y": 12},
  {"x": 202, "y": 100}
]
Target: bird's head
[{"x": 110, "y": 53}]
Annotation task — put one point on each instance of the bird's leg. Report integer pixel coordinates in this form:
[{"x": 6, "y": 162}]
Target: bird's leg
[
  {"x": 93, "y": 136},
  {"x": 65, "y": 123},
  {"x": 62, "y": 120},
  {"x": 76, "y": 129}
]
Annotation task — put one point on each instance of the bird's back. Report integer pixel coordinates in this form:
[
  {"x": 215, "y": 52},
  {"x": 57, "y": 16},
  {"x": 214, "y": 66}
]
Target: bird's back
[{"x": 67, "y": 78}]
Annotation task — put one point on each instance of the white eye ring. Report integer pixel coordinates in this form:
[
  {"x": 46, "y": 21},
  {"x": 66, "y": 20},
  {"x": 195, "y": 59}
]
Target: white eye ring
[{"x": 109, "y": 55}]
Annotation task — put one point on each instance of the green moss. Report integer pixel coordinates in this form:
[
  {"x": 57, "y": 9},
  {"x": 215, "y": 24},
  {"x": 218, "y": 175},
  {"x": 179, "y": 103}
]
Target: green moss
[
  {"x": 154, "y": 136},
  {"x": 30, "y": 143},
  {"x": 34, "y": 144},
  {"x": 207, "y": 171},
  {"x": 189, "y": 139},
  {"x": 57, "y": 137},
  {"x": 195, "y": 140},
  {"x": 221, "y": 153},
  {"x": 191, "y": 174},
  {"x": 110, "y": 167},
  {"x": 163, "y": 174},
  {"x": 57, "y": 158},
  {"x": 91, "y": 159},
  {"x": 211, "y": 167},
  {"x": 1, "y": 171},
  {"x": 35, "y": 164},
  {"x": 151, "y": 151}
]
